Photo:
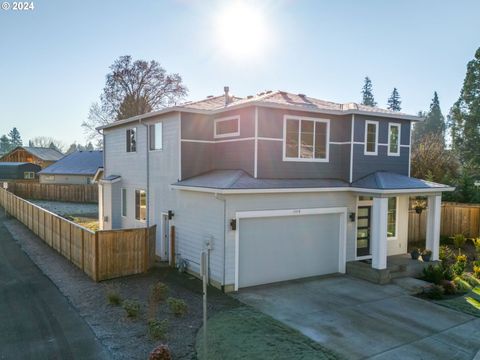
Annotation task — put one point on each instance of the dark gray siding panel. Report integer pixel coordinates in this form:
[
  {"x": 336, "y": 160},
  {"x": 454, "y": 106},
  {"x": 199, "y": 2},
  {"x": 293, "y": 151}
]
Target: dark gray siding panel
[
  {"x": 197, "y": 158},
  {"x": 271, "y": 165},
  {"x": 359, "y": 129},
  {"x": 270, "y": 123},
  {"x": 235, "y": 155},
  {"x": 197, "y": 126},
  {"x": 365, "y": 164}
]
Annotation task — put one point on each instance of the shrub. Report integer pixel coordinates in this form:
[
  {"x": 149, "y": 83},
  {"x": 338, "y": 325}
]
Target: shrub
[
  {"x": 177, "y": 306},
  {"x": 471, "y": 280},
  {"x": 461, "y": 285},
  {"x": 446, "y": 255},
  {"x": 113, "y": 296},
  {"x": 131, "y": 307},
  {"x": 449, "y": 287},
  {"x": 434, "y": 292},
  {"x": 157, "y": 329},
  {"x": 434, "y": 274},
  {"x": 459, "y": 267},
  {"x": 158, "y": 291},
  {"x": 161, "y": 352},
  {"x": 476, "y": 271},
  {"x": 459, "y": 240},
  {"x": 446, "y": 240}
]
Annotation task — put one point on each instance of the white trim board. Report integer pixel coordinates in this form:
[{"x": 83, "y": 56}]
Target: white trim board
[{"x": 342, "y": 246}]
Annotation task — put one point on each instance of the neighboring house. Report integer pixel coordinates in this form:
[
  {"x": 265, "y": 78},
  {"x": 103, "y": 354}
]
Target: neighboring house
[
  {"x": 78, "y": 167},
  {"x": 18, "y": 171},
  {"x": 281, "y": 186},
  {"x": 35, "y": 155}
]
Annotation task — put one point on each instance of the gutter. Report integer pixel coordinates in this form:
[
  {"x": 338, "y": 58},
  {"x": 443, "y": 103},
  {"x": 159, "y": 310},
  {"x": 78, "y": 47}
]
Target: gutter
[{"x": 147, "y": 145}]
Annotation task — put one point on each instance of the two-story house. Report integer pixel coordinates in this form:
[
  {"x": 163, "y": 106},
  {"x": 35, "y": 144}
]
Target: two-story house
[{"x": 283, "y": 186}]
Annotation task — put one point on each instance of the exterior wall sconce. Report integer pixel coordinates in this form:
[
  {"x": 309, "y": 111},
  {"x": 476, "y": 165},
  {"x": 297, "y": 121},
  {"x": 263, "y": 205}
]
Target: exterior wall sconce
[
  {"x": 352, "y": 216},
  {"x": 233, "y": 224},
  {"x": 170, "y": 214}
]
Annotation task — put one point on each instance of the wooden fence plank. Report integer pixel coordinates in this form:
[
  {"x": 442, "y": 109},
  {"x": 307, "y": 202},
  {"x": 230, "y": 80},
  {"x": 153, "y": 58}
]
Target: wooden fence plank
[{"x": 83, "y": 193}]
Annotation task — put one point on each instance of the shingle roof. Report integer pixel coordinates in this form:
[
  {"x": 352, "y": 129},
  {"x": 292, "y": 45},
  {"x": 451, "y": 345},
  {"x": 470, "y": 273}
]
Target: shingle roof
[
  {"x": 76, "y": 163},
  {"x": 47, "y": 154},
  {"x": 383, "y": 180},
  {"x": 239, "y": 180},
  {"x": 13, "y": 164}
]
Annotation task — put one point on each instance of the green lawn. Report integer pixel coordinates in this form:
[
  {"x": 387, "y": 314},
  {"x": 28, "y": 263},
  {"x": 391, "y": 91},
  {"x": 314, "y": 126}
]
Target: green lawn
[
  {"x": 244, "y": 333},
  {"x": 468, "y": 303}
]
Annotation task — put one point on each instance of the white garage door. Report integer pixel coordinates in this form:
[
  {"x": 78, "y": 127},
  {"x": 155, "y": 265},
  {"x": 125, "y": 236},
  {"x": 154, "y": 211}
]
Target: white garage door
[{"x": 273, "y": 249}]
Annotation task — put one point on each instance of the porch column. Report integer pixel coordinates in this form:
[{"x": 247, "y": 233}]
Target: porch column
[
  {"x": 433, "y": 224},
  {"x": 379, "y": 233}
]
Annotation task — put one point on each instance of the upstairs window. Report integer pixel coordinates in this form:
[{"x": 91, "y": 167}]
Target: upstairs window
[
  {"x": 156, "y": 136},
  {"x": 227, "y": 127},
  {"x": 306, "y": 139},
  {"x": 140, "y": 205},
  {"x": 394, "y": 139},
  {"x": 132, "y": 140},
  {"x": 371, "y": 137},
  {"x": 392, "y": 218},
  {"x": 29, "y": 175}
]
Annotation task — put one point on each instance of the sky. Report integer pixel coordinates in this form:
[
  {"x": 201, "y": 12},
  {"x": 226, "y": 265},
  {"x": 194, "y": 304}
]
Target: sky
[{"x": 53, "y": 59}]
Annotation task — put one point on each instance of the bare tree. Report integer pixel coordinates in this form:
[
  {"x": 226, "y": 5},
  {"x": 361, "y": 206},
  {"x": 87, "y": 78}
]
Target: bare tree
[
  {"x": 47, "y": 141},
  {"x": 431, "y": 161},
  {"x": 133, "y": 88}
]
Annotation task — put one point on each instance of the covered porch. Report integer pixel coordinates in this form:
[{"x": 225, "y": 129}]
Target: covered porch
[{"x": 382, "y": 226}]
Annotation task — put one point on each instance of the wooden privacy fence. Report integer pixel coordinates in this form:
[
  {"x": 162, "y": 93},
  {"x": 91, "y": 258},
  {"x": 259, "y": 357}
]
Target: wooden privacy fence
[
  {"x": 456, "y": 218},
  {"x": 55, "y": 192},
  {"x": 102, "y": 255}
]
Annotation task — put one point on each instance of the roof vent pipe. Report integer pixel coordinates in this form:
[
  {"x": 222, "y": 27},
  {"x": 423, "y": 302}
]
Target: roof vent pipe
[{"x": 226, "y": 89}]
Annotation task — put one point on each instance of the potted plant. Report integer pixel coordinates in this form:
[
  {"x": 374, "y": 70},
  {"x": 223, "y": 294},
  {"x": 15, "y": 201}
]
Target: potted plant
[
  {"x": 415, "y": 253},
  {"x": 419, "y": 206},
  {"x": 426, "y": 255}
]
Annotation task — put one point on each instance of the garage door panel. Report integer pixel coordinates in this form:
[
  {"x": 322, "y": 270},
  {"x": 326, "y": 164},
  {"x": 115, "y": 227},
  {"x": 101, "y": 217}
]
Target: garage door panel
[{"x": 273, "y": 249}]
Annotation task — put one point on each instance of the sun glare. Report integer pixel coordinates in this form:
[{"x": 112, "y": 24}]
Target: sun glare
[{"x": 241, "y": 31}]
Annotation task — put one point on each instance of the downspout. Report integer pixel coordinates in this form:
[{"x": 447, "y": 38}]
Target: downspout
[
  {"x": 147, "y": 145},
  {"x": 222, "y": 198}
]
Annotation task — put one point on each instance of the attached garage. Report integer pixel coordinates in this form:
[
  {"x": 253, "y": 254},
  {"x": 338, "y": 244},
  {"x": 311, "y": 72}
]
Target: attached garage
[{"x": 281, "y": 245}]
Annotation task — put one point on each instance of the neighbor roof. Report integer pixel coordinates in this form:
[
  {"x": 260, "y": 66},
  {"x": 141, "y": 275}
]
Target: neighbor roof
[
  {"x": 47, "y": 154},
  {"x": 76, "y": 163},
  {"x": 238, "y": 181},
  {"x": 276, "y": 99}
]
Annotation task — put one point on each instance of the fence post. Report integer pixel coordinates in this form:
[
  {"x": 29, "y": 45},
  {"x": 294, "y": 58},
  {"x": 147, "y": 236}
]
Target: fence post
[
  {"x": 95, "y": 275},
  {"x": 172, "y": 245},
  {"x": 146, "y": 248},
  {"x": 83, "y": 250}
]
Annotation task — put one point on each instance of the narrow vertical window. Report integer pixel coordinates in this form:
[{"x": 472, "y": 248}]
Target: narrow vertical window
[
  {"x": 156, "y": 137},
  {"x": 131, "y": 140},
  {"x": 124, "y": 202},
  {"x": 371, "y": 137},
  {"x": 140, "y": 205},
  {"x": 393, "y": 139},
  {"x": 392, "y": 217}
]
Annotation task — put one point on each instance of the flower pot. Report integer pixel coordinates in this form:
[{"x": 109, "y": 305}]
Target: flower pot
[
  {"x": 414, "y": 254},
  {"x": 426, "y": 257},
  {"x": 418, "y": 210}
]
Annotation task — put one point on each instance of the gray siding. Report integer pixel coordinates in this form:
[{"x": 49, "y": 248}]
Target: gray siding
[{"x": 66, "y": 179}]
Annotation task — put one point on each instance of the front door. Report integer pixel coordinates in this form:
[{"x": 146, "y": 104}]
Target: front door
[{"x": 363, "y": 230}]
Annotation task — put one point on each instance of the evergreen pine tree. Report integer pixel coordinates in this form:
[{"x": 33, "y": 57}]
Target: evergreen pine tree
[
  {"x": 71, "y": 149},
  {"x": 14, "y": 137},
  {"x": 367, "y": 93},
  {"x": 89, "y": 147},
  {"x": 5, "y": 145},
  {"x": 465, "y": 115},
  {"x": 434, "y": 122},
  {"x": 394, "y": 101}
]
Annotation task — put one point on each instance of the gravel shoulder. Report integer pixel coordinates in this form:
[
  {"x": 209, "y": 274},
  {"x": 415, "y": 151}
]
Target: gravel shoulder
[{"x": 125, "y": 338}]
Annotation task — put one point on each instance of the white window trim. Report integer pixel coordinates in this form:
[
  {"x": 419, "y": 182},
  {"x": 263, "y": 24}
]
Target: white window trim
[
  {"x": 136, "y": 140},
  {"x": 298, "y": 159},
  {"x": 365, "y": 152},
  {"x": 149, "y": 137},
  {"x": 396, "y": 220},
  {"x": 135, "y": 206},
  {"x": 237, "y": 133},
  {"x": 31, "y": 175},
  {"x": 399, "y": 126},
  {"x": 123, "y": 202}
]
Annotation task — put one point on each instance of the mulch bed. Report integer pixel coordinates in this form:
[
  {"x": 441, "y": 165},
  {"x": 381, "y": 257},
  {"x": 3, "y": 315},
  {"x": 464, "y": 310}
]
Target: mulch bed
[{"x": 126, "y": 338}]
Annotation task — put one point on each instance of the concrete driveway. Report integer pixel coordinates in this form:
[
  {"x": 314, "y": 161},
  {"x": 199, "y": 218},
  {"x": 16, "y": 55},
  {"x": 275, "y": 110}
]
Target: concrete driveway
[{"x": 360, "y": 320}]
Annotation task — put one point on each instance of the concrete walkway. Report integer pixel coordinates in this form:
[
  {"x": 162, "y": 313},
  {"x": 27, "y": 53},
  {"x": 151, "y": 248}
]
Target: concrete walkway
[
  {"x": 361, "y": 320},
  {"x": 36, "y": 321}
]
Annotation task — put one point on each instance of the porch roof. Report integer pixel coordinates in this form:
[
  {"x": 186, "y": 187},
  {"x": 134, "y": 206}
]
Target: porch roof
[{"x": 238, "y": 181}]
